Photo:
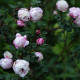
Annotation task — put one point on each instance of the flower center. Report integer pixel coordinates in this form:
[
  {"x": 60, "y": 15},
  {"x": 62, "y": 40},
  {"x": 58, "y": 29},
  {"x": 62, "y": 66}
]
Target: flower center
[{"x": 22, "y": 70}]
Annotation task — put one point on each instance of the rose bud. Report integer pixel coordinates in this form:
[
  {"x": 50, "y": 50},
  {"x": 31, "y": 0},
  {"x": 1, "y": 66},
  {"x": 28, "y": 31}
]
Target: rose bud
[
  {"x": 55, "y": 12},
  {"x": 21, "y": 67},
  {"x": 20, "y": 23},
  {"x": 23, "y": 14},
  {"x": 62, "y": 5},
  {"x": 6, "y": 63},
  {"x": 36, "y": 13},
  {"x": 40, "y": 41},
  {"x": 7, "y": 54},
  {"x": 39, "y": 55},
  {"x": 74, "y": 12},
  {"x": 20, "y": 41},
  {"x": 77, "y": 21},
  {"x": 38, "y": 32}
]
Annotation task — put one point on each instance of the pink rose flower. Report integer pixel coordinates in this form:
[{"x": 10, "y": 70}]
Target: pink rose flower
[
  {"x": 40, "y": 41},
  {"x": 74, "y": 12},
  {"x": 20, "y": 23},
  {"x": 20, "y": 41}
]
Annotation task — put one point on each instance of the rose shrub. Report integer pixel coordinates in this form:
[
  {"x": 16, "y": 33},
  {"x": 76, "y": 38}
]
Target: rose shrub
[{"x": 39, "y": 40}]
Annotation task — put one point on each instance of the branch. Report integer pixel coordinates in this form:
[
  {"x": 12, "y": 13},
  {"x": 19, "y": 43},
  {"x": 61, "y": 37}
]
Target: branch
[{"x": 49, "y": 31}]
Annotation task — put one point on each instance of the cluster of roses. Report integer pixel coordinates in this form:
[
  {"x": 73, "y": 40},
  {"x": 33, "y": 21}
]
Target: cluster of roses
[
  {"x": 24, "y": 15},
  {"x": 74, "y": 12},
  {"x": 21, "y": 67}
]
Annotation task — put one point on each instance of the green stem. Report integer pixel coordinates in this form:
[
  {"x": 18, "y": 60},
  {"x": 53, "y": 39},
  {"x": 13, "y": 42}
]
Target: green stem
[
  {"x": 64, "y": 62},
  {"x": 29, "y": 4}
]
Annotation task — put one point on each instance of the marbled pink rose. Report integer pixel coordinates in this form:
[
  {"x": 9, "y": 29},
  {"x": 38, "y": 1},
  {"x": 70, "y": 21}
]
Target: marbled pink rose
[
  {"x": 23, "y": 14},
  {"x": 74, "y": 12},
  {"x": 20, "y": 41},
  {"x": 62, "y": 5},
  {"x": 36, "y": 14},
  {"x": 6, "y": 63},
  {"x": 21, "y": 67}
]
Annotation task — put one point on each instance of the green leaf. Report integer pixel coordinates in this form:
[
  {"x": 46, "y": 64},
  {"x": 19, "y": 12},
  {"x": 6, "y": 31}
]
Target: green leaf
[
  {"x": 34, "y": 2},
  {"x": 12, "y": 6},
  {"x": 73, "y": 2}
]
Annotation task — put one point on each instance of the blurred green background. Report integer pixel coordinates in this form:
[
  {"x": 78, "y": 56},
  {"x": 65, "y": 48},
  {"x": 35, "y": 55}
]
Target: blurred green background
[{"x": 59, "y": 63}]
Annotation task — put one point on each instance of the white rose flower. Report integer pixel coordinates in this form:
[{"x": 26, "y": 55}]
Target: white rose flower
[
  {"x": 21, "y": 67},
  {"x": 23, "y": 14},
  {"x": 36, "y": 13},
  {"x": 6, "y": 63},
  {"x": 62, "y": 5}
]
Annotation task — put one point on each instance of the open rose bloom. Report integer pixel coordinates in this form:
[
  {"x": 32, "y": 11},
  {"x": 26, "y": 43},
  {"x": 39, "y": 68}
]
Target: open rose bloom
[
  {"x": 6, "y": 63},
  {"x": 23, "y": 14},
  {"x": 62, "y": 5},
  {"x": 36, "y": 14},
  {"x": 21, "y": 67},
  {"x": 20, "y": 41},
  {"x": 39, "y": 55},
  {"x": 74, "y": 12}
]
